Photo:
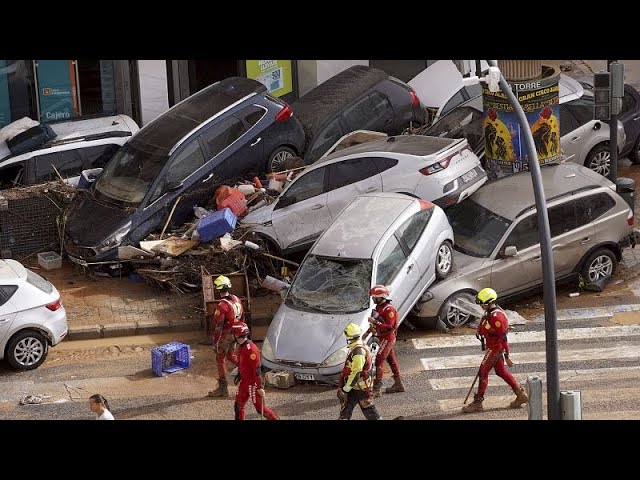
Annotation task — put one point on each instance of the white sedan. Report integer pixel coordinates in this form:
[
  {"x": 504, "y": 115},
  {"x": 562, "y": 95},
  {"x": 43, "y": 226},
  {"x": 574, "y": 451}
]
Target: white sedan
[
  {"x": 444, "y": 171},
  {"x": 32, "y": 317}
]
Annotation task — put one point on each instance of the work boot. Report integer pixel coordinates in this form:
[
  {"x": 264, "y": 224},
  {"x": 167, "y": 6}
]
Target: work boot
[
  {"x": 521, "y": 398},
  {"x": 397, "y": 386},
  {"x": 377, "y": 386},
  {"x": 475, "y": 406},
  {"x": 221, "y": 391}
]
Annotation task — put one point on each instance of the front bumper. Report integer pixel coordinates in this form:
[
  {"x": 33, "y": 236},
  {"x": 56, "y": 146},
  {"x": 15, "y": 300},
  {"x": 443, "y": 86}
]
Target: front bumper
[{"x": 325, "y": 375}]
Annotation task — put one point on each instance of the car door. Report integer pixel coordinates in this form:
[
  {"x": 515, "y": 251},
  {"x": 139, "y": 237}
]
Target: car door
[
  {"x": 572, "y": 135},
  {"x": 301, "y": 214},
  {"x": 7, "y": 311},
  {"x": 371, "y": 112},
  {"x": 350, "y": 178},
  {"x": 630, "y": 115},
  {"x": 255, "y": 119},
  {"x": 419, "y": 243},
  {"x": 514, "y": 274},
  {"x": 399, "y": 272}
]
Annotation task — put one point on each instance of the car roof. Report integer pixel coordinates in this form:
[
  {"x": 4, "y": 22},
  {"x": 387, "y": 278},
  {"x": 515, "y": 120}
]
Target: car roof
[
  {"x": 408, "y": 144},
  {"x": 357, "y": 230},
  {"x": 327, "y": 99},
  {"x": 511, "y": 195},
  {"x": 168, "y": 129},
  {"x": 10, "y": 271}
]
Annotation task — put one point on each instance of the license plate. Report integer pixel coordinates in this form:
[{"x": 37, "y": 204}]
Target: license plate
[
  {"x": 304, "y": 376},
  {"x": 470, "y": 175}
]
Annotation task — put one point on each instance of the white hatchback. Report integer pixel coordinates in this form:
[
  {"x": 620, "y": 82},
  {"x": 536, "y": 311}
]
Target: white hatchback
[
  {"x": 32, "y": 317},
  {"x": 444, "y": 171}
]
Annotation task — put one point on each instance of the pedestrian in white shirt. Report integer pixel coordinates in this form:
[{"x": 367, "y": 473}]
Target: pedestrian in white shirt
[{"x": 99, "y": 405}]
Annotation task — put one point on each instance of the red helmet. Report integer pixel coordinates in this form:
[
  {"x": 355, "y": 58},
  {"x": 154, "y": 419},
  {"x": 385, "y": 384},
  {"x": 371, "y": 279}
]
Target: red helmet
[
  {"x": 240, "y": 329},
  {"x": 379, "y": 291}
]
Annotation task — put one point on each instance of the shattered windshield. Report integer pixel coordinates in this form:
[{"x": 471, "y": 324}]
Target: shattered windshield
[
  {"x": 331, "y": 285},
  {"x": 127, "y": 177},
  {"x": 477, "y": 230}
]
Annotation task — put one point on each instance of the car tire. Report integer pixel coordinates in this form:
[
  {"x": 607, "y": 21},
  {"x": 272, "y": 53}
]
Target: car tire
[
  {"x": 634, "y": 155},
  {"x": 599, "y": 265},
  {"x": 453, "y": 317},
  {"x": 444, "y": 260},
  {"x": 599, "y": 160},
  {"x": 276, "y": 161},
  {"x": 27, "y": 350}
]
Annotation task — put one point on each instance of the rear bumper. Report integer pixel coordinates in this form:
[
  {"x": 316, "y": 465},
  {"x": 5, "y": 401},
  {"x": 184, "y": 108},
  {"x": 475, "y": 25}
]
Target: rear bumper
[
  {"x": 462, "y": 189},
  {"x": 630, "y": 240}
]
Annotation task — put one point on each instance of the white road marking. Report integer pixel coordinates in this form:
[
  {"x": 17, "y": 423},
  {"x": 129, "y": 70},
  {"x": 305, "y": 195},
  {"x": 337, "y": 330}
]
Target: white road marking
[
  {"x": 609, "y": 353},
  {"x": 448, "y": 341}
]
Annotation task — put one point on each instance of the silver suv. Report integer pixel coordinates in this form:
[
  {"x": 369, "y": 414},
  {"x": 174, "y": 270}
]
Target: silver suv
[{"x": 496, "y": 239}]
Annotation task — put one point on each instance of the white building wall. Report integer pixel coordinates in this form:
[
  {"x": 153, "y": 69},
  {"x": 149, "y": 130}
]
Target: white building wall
[{"x": 154, "y": 97}]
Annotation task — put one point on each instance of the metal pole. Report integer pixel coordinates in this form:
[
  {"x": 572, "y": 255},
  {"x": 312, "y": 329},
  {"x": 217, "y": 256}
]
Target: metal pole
[
  {"x": 548, "y": 274},
  {"x": 613, "y": 136}
]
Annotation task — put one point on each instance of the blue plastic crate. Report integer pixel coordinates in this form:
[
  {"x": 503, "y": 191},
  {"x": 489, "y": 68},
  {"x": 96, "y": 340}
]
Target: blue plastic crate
[
  {"x": 216, "y": 224},
  {"x": 170, "y": 358}
]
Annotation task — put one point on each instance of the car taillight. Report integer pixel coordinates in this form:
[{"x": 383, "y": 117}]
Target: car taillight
[
  {"x": 285, "y": 113},
  {"x": 630, "y": 218},
  {"x": 415, "y": 101},
  {"x": 436, "y": 167},
  {"x": 54, "y": 306}
]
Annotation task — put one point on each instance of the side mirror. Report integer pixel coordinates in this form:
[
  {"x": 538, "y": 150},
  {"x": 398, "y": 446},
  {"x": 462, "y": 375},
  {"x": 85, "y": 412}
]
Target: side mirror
[
  {"x": 510, "y": 251},
  {"x": 597, "y": 126},
  {"x": 173, "y": 186}
]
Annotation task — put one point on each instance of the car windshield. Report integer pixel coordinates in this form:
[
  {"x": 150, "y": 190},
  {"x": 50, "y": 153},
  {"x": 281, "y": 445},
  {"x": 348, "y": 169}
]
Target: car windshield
[
  {"x": 130, "y": 173},
  {"x": 477, "y": 230},
  {"x": 331, "y": 285}
]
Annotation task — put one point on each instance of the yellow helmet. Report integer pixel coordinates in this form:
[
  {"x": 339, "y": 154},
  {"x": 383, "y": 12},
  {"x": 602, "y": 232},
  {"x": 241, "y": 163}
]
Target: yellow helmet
[
  {"x": 486, "y": 295},
  {"x": 352, "y": 331},
  {"x": 222, "y": 282}
]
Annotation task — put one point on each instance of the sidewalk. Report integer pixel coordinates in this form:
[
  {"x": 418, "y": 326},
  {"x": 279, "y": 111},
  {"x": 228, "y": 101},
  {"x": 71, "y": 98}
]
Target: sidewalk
[{"x": 100, "y": 307}]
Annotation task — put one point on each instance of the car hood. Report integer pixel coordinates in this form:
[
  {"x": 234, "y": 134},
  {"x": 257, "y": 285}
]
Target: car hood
[
  {"x": 309, "y": 337},
  {"x": 91, "y": 222},
  {"x": 259, "y": 216}
]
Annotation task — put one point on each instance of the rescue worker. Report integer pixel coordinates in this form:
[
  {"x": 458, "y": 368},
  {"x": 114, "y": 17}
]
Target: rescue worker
[
  {"x": 354, "y": 385},
  {"x": 249, "y": 378},
  {"x": 228, "y": 311},
  {"x": 384, "y": 323},
  {"x": 494, "y": 327}
]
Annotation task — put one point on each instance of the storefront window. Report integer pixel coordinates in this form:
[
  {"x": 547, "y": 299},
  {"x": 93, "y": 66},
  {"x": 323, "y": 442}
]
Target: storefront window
[{"x": 54, "y": 90}]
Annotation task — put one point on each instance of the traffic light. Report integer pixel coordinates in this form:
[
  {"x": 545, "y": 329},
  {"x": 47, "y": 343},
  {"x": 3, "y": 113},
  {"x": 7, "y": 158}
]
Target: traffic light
[{"x": 602, "y": 96}]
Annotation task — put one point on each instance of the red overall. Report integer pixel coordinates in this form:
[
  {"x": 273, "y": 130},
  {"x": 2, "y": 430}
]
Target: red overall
[
  {"x": 494, "y": 326},
  {"x": 386, "y": 333},
  {"x": 228, "y": 311},
  {"x": 250, "y": 382}
]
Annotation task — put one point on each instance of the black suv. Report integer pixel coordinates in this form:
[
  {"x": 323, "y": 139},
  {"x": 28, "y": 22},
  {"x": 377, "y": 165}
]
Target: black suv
[
  {"x": 229, "y": 130},
  {"x": 359, "y": 98}
]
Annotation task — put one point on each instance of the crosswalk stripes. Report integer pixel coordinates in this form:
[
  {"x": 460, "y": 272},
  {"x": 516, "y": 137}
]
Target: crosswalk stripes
[{"x": 450, "y": 363}]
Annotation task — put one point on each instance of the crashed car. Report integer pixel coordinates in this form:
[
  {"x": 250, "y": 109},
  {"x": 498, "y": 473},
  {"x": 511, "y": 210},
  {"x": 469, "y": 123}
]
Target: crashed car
[
  {"x": 228, "y": 130},
  {"x": 497, "y": 239},
  {"x": 440, "y": 170},
  {"x": 379, "y": 238}
]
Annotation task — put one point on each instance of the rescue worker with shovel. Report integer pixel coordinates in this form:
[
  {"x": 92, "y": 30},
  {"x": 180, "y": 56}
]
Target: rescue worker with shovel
[
  {"x": 354, "y": 386},
  {"x": 384, "y": 324},
  {"x": 494, "y": 327},
  {"x": 228, "y": 312}
]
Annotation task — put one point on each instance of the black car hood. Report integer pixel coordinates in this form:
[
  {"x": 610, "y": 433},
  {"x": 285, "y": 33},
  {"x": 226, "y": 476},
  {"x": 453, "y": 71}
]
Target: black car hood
[{"x": 91, "y": 222}]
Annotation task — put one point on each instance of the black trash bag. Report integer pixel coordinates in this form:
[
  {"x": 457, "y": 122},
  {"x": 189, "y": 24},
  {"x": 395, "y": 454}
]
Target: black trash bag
[{"x": 597, "y": 286}]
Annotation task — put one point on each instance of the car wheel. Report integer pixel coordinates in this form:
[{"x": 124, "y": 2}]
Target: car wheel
[
  {"x": 453, "y": 312},
  {"x": 599, "y": 160},
  {"x": 444, "y": 260},
  {"x": 27, "y": 350},
  {"x": 600, "y": 265},
  {"x": 276, "y": 162},
  {"x": 634, "y": 155}
]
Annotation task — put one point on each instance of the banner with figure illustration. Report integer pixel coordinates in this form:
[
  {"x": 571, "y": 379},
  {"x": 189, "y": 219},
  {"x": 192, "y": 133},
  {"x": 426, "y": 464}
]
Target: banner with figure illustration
[{"x": 505, "y": 148}]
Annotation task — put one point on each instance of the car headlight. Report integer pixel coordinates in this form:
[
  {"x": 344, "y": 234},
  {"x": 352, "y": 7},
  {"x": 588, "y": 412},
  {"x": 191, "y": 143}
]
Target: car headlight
[
  {"x": 267, "y": 352},
  {"x": 336, "y": 358},
  {"x": 115, "y": 240}
]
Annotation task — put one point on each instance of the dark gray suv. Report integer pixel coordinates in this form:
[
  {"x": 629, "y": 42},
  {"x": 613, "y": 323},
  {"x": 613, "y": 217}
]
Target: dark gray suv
[{"x": 229, "y": 130}]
